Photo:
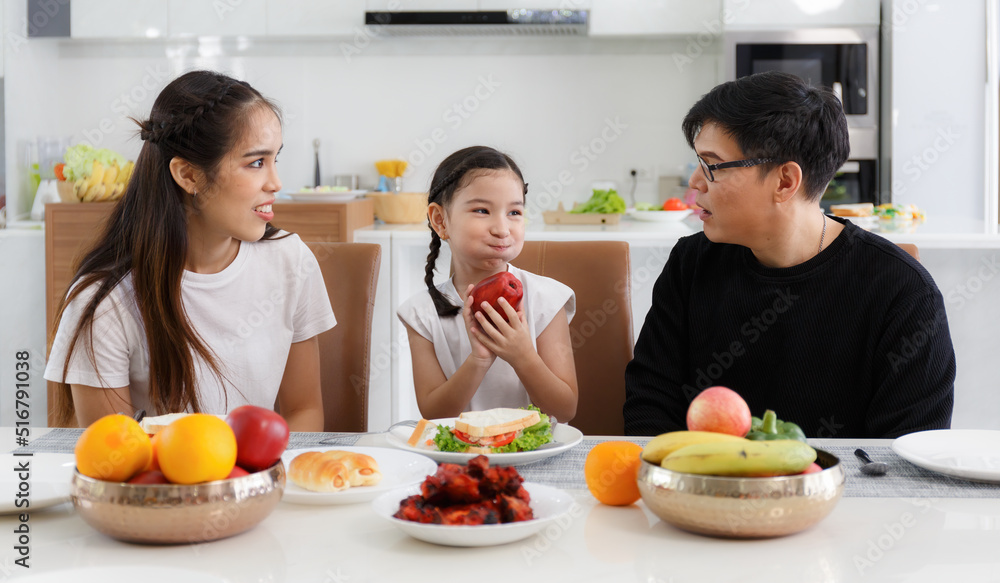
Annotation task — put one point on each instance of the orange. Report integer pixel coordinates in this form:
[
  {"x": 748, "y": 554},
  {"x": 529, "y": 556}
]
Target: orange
[
  {"x": 114, "y": 448},
  {"x": 154, "y": 462},
  {"x": 196, "y": 448},
  {"x": 611, "y": 470}
]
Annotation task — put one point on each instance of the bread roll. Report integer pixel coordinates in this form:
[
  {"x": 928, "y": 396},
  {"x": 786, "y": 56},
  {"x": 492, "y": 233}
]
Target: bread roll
[{"x": 333, "y": 471}]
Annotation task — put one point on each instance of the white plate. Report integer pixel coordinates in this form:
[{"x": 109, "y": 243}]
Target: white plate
[
  {"x": 660, "y": 216},
  {"x": 333, "y": 196},
  {"x": 48, "y": 481},
  {"x": 563, "y": 438},
  {"x": 399, "y": 469},
  {"x": 155, "y": 574},
  {"x": 547, "y": 504},
  {"x": 965, "y": 453}
]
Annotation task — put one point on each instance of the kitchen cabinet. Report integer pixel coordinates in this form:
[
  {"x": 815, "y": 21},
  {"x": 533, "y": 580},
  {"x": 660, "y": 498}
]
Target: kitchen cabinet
[
  {"x": 324, "y": 221},
  {"x": 218, "y": 18},
  {"x": 654, "y": 17},
  {"x": 782, "y": 14},
  {"x": 118, "y": 19},
  {"x": 310, "y": 18}
]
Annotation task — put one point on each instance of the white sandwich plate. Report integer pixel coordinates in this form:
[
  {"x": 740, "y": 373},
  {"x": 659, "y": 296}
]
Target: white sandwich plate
[
  {"x": 49, "y": 475},
  {"x": 564, "y": 437},
  {"x": 973, "y": 454},
  {"x": 547, "y": 504},
  {"x": 399, "y": 469}
]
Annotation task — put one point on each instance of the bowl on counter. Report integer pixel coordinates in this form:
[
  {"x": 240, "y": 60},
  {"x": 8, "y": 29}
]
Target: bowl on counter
[
  {"x": 400, "y": 207},
  {"x": 660, "y": 216},
  {"x": 743, "y": 507},
  {"x": 177, "y": 514}
]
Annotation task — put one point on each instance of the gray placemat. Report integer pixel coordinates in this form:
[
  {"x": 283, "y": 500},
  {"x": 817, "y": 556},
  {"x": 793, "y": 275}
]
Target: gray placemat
[
  {"x": 62, "y": 440},
  {"x": 903, "y": 480}
]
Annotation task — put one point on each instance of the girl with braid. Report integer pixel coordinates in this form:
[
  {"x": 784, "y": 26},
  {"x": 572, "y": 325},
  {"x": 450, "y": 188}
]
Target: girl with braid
[
  {"x": 191, "y": 301},
  {"x": 466, "y": 363}
]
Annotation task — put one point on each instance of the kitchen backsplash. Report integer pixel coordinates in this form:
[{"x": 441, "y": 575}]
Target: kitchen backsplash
[{"x": 568, "y": 115}]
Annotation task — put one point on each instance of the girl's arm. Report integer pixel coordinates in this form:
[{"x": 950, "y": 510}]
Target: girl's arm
[
  {"x": 92, "y": 403},
  {"x": 438, "y": 396},
  {"x": 300, "y": 396},
  {"x": 548, "y": 374}
]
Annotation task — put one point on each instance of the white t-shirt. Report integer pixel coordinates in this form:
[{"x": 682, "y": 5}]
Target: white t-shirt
[
  {"x": 542, "y": 300},
  {"x": 248, "y": 315}
]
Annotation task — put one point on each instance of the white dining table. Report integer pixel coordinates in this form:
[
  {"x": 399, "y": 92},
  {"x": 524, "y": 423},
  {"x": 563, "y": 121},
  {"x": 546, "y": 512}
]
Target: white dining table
[{"x": 874, "y": 538}]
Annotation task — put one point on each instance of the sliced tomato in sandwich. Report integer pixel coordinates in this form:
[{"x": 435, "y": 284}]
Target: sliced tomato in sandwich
[{"x": 487, "y": 441}]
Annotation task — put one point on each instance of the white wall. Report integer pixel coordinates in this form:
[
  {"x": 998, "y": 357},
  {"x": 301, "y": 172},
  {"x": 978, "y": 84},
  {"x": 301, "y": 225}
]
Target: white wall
[{"x": 545, "y": 101}]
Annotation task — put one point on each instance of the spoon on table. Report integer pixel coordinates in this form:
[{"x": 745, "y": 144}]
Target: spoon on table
[{"x": 872, "y": 468}]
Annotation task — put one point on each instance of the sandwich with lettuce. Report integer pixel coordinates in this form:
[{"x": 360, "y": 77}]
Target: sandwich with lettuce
[{"x": 500, "y": 430}]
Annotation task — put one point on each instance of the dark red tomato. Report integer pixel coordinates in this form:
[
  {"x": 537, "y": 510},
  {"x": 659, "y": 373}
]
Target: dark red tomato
[
  {"x": 674, "y": 204},
  {"x": 501, "y": 285},
  {"x": 261, "y": 436},
  {"x": 237, "y": 472},
  {"x": 149, "y": 477}
]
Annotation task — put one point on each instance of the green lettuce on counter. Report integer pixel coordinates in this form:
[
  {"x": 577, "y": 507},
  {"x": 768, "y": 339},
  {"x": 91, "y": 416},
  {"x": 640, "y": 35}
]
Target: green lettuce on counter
[{"x": 602, "y": 201}]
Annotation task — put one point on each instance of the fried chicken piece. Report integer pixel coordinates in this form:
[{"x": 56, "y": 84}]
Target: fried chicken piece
[
  {"x": 513, "y": 509},
  {"x": 485, "y": 512},
  {"x": 414, "y": 510},
  {"x": 477, "y": 466},
  {"x": 499, "y": 480},
  {"x": 450, "y": 485}
]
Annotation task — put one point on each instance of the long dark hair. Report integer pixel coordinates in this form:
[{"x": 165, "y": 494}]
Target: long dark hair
[
  {"x": 456, "y": 172},
  {"x": 199, "y": 117}
]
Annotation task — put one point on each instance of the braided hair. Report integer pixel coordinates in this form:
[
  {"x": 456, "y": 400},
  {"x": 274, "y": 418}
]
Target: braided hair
[
  {"x": 198, "y": 117},
  {"x": 454, "y": 173}
]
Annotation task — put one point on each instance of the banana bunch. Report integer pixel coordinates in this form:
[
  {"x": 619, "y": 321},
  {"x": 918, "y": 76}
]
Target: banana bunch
[
  {"x": 743, "y": 459},
  {"x": 667, "y": 443},
  {"x": 103, "y": 183}
]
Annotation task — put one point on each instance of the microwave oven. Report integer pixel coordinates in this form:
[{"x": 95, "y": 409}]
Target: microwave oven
[{"x": 846, "y": 60}]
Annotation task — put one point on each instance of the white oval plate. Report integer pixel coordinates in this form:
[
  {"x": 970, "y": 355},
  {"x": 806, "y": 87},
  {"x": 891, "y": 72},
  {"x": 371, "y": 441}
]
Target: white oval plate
[
  {"x": 48, "y": 481},
  {"x": 326, "y": 196},
  {"x": 660, "y": 216},
  {"x": 563, "y": 438},
  {"x": 399, "y": 469},
  {"x": 547, "y": 504},
  {"x": 156, "y": 574},
  {"x": 964, "y": 453}
]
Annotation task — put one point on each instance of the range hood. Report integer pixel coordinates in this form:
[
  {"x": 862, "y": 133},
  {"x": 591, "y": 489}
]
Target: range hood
[{"x": 520, "y": 22}]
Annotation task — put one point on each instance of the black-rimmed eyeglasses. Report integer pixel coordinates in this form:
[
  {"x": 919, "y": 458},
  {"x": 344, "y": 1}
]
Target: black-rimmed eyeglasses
[{"x": 709, "y": 169}]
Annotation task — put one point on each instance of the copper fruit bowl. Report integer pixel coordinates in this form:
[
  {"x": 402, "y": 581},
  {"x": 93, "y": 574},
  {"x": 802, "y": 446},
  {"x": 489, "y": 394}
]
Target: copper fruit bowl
[
  {"x": 743, "y": 507},
  {"x": 175, "y": 514}
]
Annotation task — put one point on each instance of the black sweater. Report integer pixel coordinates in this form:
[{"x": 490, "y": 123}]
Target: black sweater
[{"x": 852, "y": 343}]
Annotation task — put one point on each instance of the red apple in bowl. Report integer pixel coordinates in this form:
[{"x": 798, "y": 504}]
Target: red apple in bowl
[
  {"x": 501, "y": 285},
  {"x": 721, "y": 410}
]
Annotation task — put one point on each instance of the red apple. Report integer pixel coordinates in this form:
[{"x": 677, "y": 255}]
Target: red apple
[
  {"x": 237, "y": 472},
  {"x": 720, "y": 410},
  {"x": 149, "y": 477},
  {"x": 501, "y": 285},
  {"x": 812, "y": 469},
  {"x": 261, "y": 436}
]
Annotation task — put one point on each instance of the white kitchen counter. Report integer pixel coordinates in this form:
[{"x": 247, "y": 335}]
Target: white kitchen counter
[{"x": 958, "y": 253}]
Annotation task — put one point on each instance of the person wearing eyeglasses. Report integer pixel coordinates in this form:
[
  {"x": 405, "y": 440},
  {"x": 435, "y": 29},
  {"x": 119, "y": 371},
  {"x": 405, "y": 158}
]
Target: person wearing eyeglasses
[{"x": 833, "y": 327}]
